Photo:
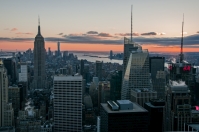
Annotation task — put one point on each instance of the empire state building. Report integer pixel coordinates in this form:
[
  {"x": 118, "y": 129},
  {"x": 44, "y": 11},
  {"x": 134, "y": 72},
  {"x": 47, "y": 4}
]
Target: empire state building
[{"x": 39, "y": 61}]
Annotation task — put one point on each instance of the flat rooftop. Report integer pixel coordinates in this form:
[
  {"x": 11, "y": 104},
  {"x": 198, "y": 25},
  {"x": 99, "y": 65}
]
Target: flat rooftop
[
  {"x": 68, "y": 78},
  {"x": 136, "y": 108}
]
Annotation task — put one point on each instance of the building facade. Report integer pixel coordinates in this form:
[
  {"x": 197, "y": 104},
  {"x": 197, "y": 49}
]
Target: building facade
[
  {"x": 137, "y": 73},
  {"x": 98, "y": 69},
  {"x": 141, "y": 96},
  {"x": 68, "y": 103}
]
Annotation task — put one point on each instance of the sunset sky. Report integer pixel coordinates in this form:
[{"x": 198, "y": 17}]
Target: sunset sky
[{"x": 100, "y": 25}]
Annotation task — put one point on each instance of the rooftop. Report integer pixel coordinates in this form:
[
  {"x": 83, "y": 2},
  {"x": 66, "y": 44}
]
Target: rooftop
[
  {"x": 136, "y": 107},
  {"x": 68, "y": 78}
]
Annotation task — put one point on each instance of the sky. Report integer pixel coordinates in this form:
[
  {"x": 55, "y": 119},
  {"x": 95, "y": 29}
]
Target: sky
[{"x": 100, "y": 25}]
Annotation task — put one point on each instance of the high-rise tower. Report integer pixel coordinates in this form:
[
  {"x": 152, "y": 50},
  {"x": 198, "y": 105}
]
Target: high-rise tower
[
  {"x": 39, "y": 61},
  {"x": 58, "y": 49}
]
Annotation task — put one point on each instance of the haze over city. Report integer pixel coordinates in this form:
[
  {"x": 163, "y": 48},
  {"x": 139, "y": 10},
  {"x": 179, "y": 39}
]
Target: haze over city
[{"x": 100, "y": 25}]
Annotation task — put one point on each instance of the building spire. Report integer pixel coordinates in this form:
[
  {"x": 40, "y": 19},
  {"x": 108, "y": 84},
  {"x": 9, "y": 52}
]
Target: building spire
[
  {"x": 131, "y": 24},
  {"x": 181, "y": 51},
  {"x": 39, "y": 25}
]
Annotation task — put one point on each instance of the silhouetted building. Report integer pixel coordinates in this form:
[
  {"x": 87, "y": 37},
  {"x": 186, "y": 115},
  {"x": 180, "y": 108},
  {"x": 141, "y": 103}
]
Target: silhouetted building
[
  {"x": 111, "y": 54},
  {"x": 10, "y": 65},
  {"x": 39, "y": 61},
  {"x": 123, "y": 116},
  {"x": 158, "y": 76},
  {"x": 82, "y": 67},
  {"x": 155, "y": 109},
  {"x": 58, "y": 49},
  {"x": 116, "y": 85},
  {"x": 98, "y": 69}
]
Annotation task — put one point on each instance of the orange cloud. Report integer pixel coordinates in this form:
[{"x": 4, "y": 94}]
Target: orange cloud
[{"x": 14, "y": 29}]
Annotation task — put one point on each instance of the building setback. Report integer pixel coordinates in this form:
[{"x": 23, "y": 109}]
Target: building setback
[{"x": 67, "y": 103}]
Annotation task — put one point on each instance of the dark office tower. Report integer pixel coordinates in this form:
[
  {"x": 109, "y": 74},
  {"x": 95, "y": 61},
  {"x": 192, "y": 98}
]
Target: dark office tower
[
  {"x": 111, "y": 54},
  {"x": 10, "y": 65},
  {"x": 86, "y": 74},
  {"x": 58, "y": 49},
  {"x": 116, "y": 85},
  {"x": 123, "y": 116},
  {"x": 82, "y": 67},
  {"x": 155, "y": 109},
  {"x": 49, "y": 51},
  {"x": 39, "y": 61},
  {"x": 177, "y": 110},
  {"x": 128, "y": 47},
  {"x": 98, "y": 69},
  {"x": 65, "y": 55},
  {"x": 156, "y": 65}
]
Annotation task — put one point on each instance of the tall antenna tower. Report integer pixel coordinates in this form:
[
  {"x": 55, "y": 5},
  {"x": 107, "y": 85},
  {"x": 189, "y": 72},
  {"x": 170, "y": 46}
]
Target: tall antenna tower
[
  {"x": 181, "y": 51},
  {"x": 131, "y": 24}
]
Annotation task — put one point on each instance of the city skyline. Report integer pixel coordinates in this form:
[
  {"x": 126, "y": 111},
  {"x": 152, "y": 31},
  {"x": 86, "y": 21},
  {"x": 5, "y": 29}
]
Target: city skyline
[{"x": 100, "y": 26}]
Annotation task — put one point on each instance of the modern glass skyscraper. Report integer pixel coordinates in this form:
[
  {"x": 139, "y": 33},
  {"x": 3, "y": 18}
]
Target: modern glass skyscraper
[
  {"x": 136, "y": 74},
  {"x": 39, "y": 61},
  {"x": 128, "y": 47}
]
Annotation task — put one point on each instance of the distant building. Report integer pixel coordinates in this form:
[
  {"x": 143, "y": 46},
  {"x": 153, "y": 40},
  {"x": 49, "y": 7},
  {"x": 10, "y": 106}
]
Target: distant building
[
  {"x": 67, "y": 103},
  {"x": 123, "y": 115},
  {"x": 98, "y": 69},
  {"x": 142, "y": 96},
  {"x": 65, "y": 55},
  {"x": 23, "y": 75},
  {"x": 177, "y": 110},
  {"x": 137, "y": 73},
  {"x": 58, "y": 49},
  {"x": 155, "y": 109},
  {"x": 158, "y": 76},
  {"x": 103, "y": 92},
  {"x": 116, "y": 85},
  {"x": 111, "y": 54},
  {"x": 14, "y": 94},
  {"x": 39, "y": 62}
]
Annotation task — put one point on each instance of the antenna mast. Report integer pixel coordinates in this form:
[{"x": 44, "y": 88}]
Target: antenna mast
[
  {"x": 131, "y": 25},
  {"x": 181, "y": 51}
]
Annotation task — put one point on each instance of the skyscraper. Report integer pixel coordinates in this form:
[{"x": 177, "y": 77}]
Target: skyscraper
[
  {"x": 128, "y": 47},
  {"x": 39, "y": 61},
  {"x": 98, "y": 69},
  {"x": 158, "y": 76},
  {"x": 58, "y": 49},
  {"x": 137, "y": 73},
  {"x": 68, "y": 103},
  {"x": 6, "y": 111},
  {"x": 177, "y": 110}
]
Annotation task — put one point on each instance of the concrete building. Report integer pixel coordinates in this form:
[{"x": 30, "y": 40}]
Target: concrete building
[
  {"x": 39, "y": 61},
  {"x": 123, "y": 115},
  {"x": 68, "y": 103},
  {"x": 137, "y": 73},
  {"x": 6, "y": 110},
  {"x": 177, "y": 109},
  {"x": 142, "y": 96},
  {"x": 158, "y": 76}
]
